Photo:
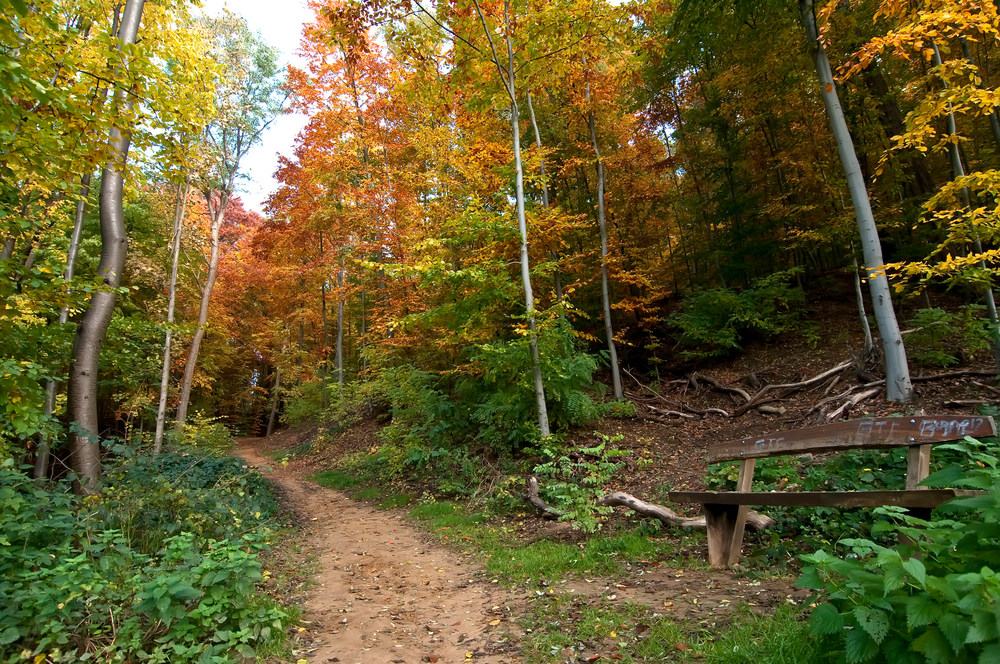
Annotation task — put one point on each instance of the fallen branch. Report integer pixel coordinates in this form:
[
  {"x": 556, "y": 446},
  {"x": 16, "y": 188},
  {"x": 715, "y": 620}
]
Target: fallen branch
[
  {"x": 988, "y": 388},
  {"x": 755, "y": 520},
  {"x": 852, "y": 402},
  {"x": 672, "y": 413},
  {"x": 548, "y": 512},
  {"x": 772, "y": 410},
  {"x": 954, "y": 374},
  {"x": 753, "y": 402},
  {"x": 964, "y": 403},
  {"x": 653, "y": 392}
]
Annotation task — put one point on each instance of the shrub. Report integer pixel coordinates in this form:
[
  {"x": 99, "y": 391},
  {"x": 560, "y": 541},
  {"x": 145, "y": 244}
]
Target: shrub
[
  {"x": 715, "y": 323},
  {"x": 577, "y": 481},
  {"x": 941, "y": 338},
  {"x": 160, "y": 567},
  {"x": 933, "y": 599},
  {"x": 501, "y": 394},
  {"x": 152, "y": 498},
  {"x": 205, "y": 434}
]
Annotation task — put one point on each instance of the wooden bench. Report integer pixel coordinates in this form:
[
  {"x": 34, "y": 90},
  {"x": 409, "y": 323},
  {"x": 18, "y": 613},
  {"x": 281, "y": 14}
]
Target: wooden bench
[{"x": 725, "y": 511}]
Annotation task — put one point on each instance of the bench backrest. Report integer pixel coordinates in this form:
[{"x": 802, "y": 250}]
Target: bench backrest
[{"x": 867, "y": 433}]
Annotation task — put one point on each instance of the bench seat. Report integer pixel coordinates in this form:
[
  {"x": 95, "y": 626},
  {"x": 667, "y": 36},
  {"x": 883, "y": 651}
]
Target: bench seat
[
  {"x": 725, "y": 511},
  {"x": 928, "y": 498}
]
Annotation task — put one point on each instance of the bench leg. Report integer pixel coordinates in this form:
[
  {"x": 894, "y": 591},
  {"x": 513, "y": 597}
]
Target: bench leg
[{"x": 726, "y": 524}]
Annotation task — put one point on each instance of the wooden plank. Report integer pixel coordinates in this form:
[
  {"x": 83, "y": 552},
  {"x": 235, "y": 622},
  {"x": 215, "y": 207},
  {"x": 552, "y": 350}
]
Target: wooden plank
[
  {"x": 875, "y": 432},
  {"x": 917, "y": 498},
  {"x": 720, "y": 521},
  {"x": 918, "y": 465},
  {"x": 734, "y": 547}
]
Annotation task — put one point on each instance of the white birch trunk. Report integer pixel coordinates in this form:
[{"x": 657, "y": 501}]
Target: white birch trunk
[
  {"x": 897, "y": 384},
  {"x": 218, "y": 213},
  {"x": 180, "y": 208},
  {"x": 616, "y": 379},
  {"x": 529, "y": 298}
]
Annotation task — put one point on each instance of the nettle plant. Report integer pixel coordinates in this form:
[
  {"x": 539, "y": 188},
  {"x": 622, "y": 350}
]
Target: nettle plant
[
  {"x": 576, "y": 481},
  {"x": 935, "y": 599}
]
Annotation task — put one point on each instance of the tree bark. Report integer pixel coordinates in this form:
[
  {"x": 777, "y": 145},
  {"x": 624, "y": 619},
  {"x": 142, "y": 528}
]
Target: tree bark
[
  {"x": 274, "y": 403},
  {"x": 324, "y": 365},
  {"x": 84, "y": 442},
  {"x": 45, "y": 446},
  {"x": 859, "y": 296},
  {"x": 616, "y": 378},
  {"x": 898, "y": 386},
  {"x": 339, "y": 355},
  {"x": 556, "y": 276},
  {"x": 180, "y": 208},
  {"x": 218, "y": 212}
]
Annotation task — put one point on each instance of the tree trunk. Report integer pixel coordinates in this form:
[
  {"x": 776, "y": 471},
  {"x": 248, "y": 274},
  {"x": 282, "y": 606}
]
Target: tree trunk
[
  {"x": 84, "y": 442},
  {"x": 522, "y": 225},
  {"x": 862, "y": 314},
  {"x": 45, "y": 446},
  {"x": 180, "y": 208},
  {"x": 898, "y": 386},
  {"x": 616, "y": 379},
  {"x": 958, "y": 171},
  {"x": 339, "y": 356},
  {"x": 274, "y": 402},
  {"x": 218, "y": 213},
  {"x": 556, "y": 276},
  {"x": 324, "y": 366}
]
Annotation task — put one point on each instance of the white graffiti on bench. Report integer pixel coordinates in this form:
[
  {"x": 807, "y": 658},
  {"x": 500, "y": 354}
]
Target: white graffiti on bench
[{"x": 962, "y": 427}]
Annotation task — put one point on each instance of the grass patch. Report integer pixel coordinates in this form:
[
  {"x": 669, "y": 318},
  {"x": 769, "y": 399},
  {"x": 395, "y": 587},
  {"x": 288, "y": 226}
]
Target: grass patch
[
  {"x": 562, "y": 627},
  {"x": 368, "y": 493},
  {"x": 558, "y": 628},
  {"x": 334, "y": 479},
  {"x": 598, "y": 555},
  {"x": 395, "y": 500},
  {"x": 782, "y": 638}
]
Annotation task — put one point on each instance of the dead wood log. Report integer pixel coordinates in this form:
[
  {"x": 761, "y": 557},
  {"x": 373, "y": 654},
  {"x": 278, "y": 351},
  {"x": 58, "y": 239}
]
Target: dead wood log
[
  {"x": 852, "y": 402},
  {"x": 772, "y": 410},
  {"x": 755, "y": 520},
  {"x": 548, "y": 512},
  {"x": 672, "y": 413},
  {"x": 954, "y": 374},
  {"x": 754, "y": 401},
  {"x": 988, "y": 388}
]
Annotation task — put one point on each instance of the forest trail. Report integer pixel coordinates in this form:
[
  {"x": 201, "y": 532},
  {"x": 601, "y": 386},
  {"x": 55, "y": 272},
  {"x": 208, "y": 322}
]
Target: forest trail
[{"x": 384, "y": 593}]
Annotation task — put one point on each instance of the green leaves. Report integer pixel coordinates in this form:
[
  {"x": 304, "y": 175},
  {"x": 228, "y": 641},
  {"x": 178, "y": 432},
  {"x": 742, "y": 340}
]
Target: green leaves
[{"x": 936, "y": 600}]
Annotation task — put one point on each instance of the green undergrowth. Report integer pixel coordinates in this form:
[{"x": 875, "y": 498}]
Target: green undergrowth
[
  {"x": 162, "y": 565},
  {"x": 560, "y": 627}
]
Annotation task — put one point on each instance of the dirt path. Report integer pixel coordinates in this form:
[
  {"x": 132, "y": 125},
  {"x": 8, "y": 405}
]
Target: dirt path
[{"x": 384, "y": 594}]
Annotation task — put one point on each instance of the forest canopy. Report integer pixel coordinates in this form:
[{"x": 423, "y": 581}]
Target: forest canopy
[{"x": 493, "y": 209}]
